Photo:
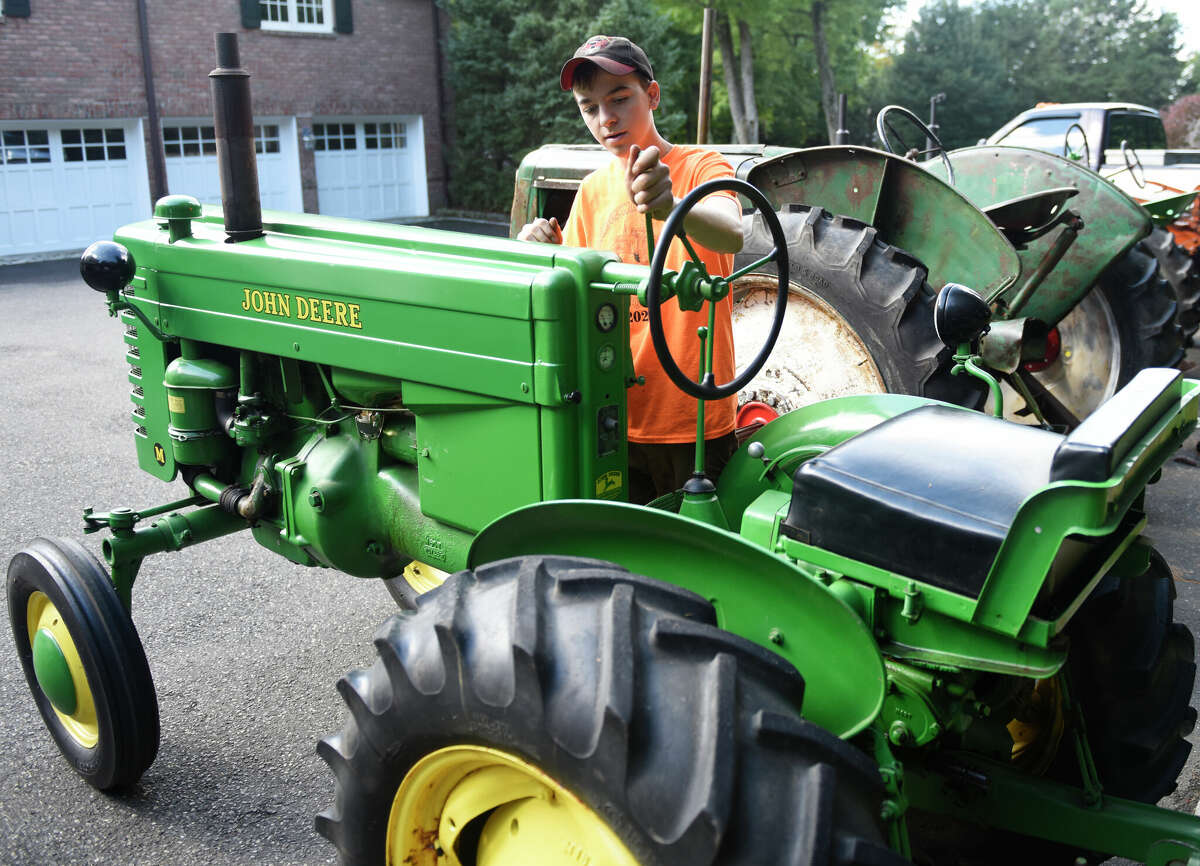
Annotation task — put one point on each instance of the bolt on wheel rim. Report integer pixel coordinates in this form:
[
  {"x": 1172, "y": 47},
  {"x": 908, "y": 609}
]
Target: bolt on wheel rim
[
  {"x": 527, "y": 817},
  {"x": 45, "y": 624}
]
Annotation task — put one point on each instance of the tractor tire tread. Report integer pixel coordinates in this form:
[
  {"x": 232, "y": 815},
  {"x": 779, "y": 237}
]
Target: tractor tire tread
[{"x": 686, "y": 738}]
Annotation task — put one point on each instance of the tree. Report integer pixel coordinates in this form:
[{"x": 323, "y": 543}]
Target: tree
[
  {"x": 997, "y": 58},
  {"x": 1182, "y": 122},
  {"x": 504, "y": 57}
]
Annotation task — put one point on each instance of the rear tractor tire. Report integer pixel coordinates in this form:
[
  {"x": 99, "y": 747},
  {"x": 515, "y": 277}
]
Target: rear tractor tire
[
  {"x": 1182, "y": 271},
  {"x": 84, "y": 662},
  {"x": 860, "y": 317},
  {"x": 559, "y": 710}
]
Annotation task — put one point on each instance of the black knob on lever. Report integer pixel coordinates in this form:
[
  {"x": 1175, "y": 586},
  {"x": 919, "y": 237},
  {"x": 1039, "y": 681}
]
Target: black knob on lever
[{"x": 106, "y": 266}]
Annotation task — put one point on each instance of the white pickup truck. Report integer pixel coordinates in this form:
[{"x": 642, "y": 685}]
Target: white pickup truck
[{"x": 1120, "y": 140}]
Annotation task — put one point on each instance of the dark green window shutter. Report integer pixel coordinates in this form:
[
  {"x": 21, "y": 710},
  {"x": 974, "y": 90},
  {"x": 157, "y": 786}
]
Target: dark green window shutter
[
  {"x": 251, "y": 14},
  {"x": 343, "y": 21},
  {"x": 20, "y": 8}
]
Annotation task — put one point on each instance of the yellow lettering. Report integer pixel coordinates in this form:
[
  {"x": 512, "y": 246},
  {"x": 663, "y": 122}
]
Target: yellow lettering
[
  {"x": 327, "y": 312},
  {"x": 269, "y": 306},
  {"x": 339, "y": 314},
  {"x": 256, "y": 301},
  {"x": 285, "y": 305},
  {"x": 354, "y": 322},
  {"x": 246, "y": 299},
  {"x": 301, "y": 307},
  {"x": 314, "y": 309}
]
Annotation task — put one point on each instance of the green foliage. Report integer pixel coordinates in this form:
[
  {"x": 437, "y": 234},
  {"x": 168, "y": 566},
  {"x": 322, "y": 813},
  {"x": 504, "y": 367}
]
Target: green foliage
[
  {"x": 997, "y": 58},
  {"x": 504, "y": 58}
]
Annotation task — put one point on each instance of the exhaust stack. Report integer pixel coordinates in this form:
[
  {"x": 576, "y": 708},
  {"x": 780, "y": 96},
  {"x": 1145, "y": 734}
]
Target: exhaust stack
[{"x": 234, "y": 125}]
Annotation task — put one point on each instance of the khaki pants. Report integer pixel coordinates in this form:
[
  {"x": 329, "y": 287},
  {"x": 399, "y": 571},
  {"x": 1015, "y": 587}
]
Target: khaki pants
[{"x": 655, "y": 470}]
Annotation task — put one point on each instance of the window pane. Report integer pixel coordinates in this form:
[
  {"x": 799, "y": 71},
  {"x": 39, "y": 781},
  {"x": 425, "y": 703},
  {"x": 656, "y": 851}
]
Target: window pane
[
  {"x": 93, "y": 136},
  {"x": 116, "y": 151},
  {"x": 70, "y": 136},
  {"x": 73, "y": 153},
  {"x": 191, "y": 148},
  {"x": 171, "y": 148},
  {"x": 95, "y": 153},
  {"x": 38, "y": 136},
  {"x": 114, "y": 136},
  {"x": 1046, "y": 133},
  {"x": 14, "y": 138},
  {"x": 1140, "y": 131}
]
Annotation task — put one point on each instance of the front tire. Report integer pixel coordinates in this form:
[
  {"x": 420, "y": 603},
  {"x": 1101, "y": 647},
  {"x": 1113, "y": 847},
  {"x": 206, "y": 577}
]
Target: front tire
[
  {"x": 674, "y": 742},
  {"x": 84, "y": 662}
]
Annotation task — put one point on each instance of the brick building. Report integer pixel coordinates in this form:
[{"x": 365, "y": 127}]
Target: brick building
[{"x": 346, "y": 93}]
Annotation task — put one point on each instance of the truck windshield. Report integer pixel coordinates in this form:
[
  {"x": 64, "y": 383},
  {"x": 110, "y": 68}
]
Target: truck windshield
[
  {"x": 1139, "y": 131},
  {"x": 1042, "y": 133}
]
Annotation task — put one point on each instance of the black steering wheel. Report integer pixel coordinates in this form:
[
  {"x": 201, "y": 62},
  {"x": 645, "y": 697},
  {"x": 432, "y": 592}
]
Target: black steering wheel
[
  {"x": 883, "y": 126},
  {"x": 1134, "y": 163},
  {"x": 707, "y": 388},
  {"x": 1070, "y": 151}
]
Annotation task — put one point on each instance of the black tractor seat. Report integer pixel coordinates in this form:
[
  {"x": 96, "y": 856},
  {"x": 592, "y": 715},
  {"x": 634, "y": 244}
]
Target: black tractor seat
[{"x": 932, "y": 493}]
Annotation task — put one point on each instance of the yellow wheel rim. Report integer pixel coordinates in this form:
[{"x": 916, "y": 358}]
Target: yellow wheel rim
[
  {"x": 528, "y": 819},
  {"x": 81, "y": 724}
]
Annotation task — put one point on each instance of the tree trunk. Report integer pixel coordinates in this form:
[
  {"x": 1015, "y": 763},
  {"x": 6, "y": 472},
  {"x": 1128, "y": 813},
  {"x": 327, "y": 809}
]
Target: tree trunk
[
  {"x": 729, "y": 66},
  {"x": 824, "y": 70},
  {"x": 749, "y": 102}
]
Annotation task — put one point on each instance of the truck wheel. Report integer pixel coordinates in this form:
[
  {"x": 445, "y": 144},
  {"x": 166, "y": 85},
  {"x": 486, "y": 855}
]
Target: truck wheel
[
  {"x": 860, "y": 317},
  {"x": 1132, "y": 669},
  {"x": 562, "y": 710},
  {"x": 84, "y": 662},
  {"x": 1182, "y": 271}
]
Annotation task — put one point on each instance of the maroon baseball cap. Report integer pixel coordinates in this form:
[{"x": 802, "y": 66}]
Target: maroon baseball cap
[{"x": 614, "y": 54}]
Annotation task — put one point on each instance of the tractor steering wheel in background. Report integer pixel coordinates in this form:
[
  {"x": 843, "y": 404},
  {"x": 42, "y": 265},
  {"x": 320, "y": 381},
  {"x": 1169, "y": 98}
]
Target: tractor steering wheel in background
[
  {"x": 707, "y": 388},
  {"x": 1134, "y": 164},
  {"x": 883, "y": 126},
  {"x": 1070, "y": 151}
]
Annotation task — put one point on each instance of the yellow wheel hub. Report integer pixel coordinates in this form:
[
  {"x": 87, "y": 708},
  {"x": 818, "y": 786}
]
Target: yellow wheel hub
[
  {"x": 81, "y": 724},
  {"x": 528, "y": 818}
]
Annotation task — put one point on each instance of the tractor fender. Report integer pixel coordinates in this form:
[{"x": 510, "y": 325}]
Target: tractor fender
[{"x": 761, "y": 597}]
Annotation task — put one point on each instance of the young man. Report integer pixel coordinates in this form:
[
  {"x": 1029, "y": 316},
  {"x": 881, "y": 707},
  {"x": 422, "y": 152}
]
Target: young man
[{"x": 614, "y": 88}]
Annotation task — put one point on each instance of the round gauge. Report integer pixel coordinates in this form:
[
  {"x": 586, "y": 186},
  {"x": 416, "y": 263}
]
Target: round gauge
[
  {"x": 606, "y": 357},
  {"x": 606, "y": 317}
]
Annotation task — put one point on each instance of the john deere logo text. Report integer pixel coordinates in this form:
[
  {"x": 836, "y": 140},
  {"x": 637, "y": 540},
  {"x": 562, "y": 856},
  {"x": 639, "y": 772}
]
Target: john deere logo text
[{"x": 301, "y": 307}]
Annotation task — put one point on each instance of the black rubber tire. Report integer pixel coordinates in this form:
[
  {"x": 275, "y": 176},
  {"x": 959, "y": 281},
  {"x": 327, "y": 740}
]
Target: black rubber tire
[
  {"x": 684, "y": 737},
  {"x": 1131, "y": 669},
  {"x": 1146, "y": 312},
  {"x": 1182, "y": 271},
  {"x": 878, "y": 289},
  {"x": 114, "y": 662}
]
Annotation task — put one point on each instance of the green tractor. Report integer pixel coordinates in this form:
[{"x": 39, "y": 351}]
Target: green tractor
[{"x": 894, "y": 629}]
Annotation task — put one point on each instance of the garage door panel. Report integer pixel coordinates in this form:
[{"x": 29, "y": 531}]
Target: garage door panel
[{"x": 374, "y": 178}]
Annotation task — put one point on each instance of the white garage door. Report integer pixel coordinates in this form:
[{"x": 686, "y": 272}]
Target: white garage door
[
  {"x": 64, "y": 185},
  {"x": 191, "y": 155},
  {"x": 371, "y": 168}
]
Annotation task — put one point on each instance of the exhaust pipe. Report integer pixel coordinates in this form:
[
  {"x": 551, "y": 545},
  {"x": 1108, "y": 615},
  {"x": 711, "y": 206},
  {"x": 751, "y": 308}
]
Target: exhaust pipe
[{"x": 234, "y": 123}]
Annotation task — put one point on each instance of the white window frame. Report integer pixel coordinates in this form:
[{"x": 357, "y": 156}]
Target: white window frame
[{"x": 293, "y": 24}]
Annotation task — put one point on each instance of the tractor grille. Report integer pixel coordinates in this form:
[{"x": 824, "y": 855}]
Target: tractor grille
[{"x": 136, "y": 372}]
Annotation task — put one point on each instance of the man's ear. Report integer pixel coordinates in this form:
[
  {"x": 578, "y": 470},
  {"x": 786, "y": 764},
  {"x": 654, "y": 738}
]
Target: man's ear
[{"x": 653, "y": 92}]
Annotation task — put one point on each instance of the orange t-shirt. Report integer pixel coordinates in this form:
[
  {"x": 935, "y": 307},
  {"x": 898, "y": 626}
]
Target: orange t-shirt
[{"x": 604, "y": 218}]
